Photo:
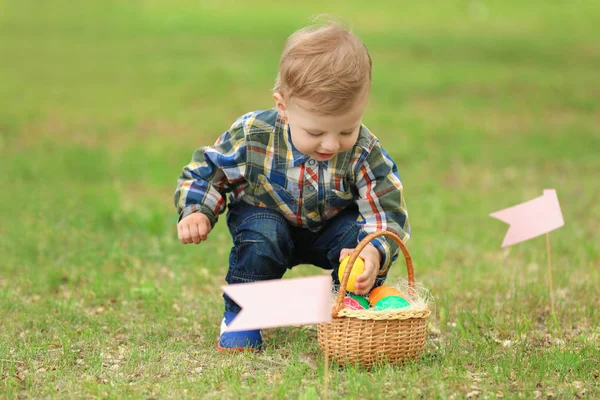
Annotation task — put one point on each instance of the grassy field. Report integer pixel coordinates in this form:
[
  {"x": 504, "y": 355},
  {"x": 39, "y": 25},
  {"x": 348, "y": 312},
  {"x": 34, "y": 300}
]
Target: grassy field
[{"x": 482, "y": 105}]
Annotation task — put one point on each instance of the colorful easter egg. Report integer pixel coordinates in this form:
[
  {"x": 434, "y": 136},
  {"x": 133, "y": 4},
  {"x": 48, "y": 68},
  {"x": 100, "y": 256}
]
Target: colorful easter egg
[
  {"x": 363, "y": 301},
  {"x": 352, "y": 304},
  {"x": 381, "y": 292},
  {"x": 357, "y": 269},
  {"x": 391, "y": 303}
]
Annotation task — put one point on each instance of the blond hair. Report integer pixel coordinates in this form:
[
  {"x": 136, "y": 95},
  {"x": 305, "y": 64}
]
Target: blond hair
[{"x": 325, "y": 65}]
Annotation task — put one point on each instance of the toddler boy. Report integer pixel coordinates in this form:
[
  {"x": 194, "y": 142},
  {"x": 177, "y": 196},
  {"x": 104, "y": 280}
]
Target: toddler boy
[{"x": 306, "y": 180}]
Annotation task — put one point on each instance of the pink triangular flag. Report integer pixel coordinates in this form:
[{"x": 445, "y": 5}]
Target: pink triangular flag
[
  {"x": 281, "y": 302},
  {"x": 532, "y": 218}
]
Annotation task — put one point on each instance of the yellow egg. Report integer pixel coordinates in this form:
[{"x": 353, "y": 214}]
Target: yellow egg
[{"x": 357, "y": 269}]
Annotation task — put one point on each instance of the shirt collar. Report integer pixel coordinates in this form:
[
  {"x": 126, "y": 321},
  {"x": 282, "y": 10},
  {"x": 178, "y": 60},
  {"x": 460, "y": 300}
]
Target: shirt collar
[{"x": 297, "y": 156}]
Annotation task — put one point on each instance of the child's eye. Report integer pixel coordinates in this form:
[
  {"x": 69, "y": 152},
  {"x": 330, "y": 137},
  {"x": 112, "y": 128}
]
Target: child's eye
[
  {"x": 315, "y": 134},
  {"x": 347, "y": 133}
]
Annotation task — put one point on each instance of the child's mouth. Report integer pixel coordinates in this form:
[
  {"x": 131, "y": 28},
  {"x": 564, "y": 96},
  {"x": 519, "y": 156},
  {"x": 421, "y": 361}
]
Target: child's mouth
[{"x": 325, "y": 155}]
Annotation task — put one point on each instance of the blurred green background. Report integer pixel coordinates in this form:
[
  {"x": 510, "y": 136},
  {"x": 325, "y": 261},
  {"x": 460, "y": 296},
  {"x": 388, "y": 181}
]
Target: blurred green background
[{"x": 483, "y": 104}]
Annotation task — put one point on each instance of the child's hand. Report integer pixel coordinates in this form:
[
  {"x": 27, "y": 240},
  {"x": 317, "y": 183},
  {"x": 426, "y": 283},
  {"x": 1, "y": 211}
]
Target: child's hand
[
  {"x": 372, "y": 258},
  {"x": 194, "y": 228}
]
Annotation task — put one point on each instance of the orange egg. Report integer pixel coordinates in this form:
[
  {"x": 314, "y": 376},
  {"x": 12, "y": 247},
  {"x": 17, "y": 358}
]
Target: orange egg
[{"x": 382, "y": 291}]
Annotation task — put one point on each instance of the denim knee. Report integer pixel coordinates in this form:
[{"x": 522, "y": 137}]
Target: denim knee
[{"x": 262, "y": 245}]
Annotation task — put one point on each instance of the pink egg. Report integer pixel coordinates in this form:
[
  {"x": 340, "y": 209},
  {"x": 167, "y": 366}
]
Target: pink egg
[{"x": 352, "y": 304}]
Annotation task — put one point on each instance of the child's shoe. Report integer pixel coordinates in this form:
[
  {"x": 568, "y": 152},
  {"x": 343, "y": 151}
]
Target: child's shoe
[{"x": 241, "y": 340}]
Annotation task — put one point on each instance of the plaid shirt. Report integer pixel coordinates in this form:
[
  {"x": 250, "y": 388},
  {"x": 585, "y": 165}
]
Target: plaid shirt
[{"x": 256, "y": 162}]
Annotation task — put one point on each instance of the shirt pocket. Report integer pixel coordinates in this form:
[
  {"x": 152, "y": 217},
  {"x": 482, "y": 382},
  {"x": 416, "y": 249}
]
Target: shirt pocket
[
  {"x": 272, "y": 195},
  {"x": 339, "y": 199}
]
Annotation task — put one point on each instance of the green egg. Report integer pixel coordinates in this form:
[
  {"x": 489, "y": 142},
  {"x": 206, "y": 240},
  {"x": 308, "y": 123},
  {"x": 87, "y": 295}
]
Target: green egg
[
  {"x": 363, "y": 302},
  {"x": 391, "y": 303}
]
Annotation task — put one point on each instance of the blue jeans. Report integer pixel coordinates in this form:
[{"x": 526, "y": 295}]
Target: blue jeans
[{"x": 265, "y": 245}]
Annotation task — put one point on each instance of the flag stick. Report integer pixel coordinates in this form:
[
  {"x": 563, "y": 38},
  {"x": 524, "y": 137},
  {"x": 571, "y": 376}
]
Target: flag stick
[
  {"x": 326, "y": 371},
  {"x": 550, "y": 271},
  {"x": 550, "y": 280}
]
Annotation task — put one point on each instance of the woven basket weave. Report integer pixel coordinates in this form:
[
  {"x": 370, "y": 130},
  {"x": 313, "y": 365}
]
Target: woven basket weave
[{"x": 367, "y": 337}]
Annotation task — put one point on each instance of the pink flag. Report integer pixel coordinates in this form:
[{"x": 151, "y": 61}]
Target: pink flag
[
  {"x": 281, "y": 302},
  {"x": 532, "y": 218}
]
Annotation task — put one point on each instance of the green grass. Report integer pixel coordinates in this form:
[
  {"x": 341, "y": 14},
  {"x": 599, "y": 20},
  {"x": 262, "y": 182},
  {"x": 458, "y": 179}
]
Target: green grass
[{"x": 482, "y": 104}]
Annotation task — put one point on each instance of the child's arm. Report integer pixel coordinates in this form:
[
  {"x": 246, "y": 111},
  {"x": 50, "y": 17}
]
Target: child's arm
[
  {"x": 201, "y": 191},
  {"x": 194, "y": 228},
  {"x": 381, "y": 203}
]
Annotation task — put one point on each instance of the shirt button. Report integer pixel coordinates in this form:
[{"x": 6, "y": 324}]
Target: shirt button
[
  {"x": 311, "y": 162},
  {"x": 311, "y": 188}
]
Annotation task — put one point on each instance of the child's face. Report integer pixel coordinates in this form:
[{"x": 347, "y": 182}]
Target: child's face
[{"x": 321, "y": 136}]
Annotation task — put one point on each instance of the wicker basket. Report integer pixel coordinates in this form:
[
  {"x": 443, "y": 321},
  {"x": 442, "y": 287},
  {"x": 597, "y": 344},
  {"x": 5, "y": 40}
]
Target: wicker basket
[{"x": 367, "y": 337}]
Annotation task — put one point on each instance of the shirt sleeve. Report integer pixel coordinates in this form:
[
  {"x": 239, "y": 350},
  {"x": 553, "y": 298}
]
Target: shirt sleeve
[
  {"x": 381, "y": 203},
  {"x": 213, "y": 172}
]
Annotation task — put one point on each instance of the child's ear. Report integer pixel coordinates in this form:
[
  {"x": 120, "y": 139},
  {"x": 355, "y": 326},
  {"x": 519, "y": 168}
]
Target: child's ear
[{"x": 280, "y": 104}]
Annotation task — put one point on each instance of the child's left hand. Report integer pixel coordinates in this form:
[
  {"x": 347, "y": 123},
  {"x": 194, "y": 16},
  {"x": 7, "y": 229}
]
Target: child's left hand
[{"x": 372, "y": 258}]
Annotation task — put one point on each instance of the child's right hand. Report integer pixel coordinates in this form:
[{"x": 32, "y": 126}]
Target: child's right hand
[{"x": 194, "y": 228}]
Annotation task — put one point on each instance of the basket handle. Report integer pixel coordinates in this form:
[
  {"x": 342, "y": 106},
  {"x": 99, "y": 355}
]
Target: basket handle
[{"x": 363, "y": 243}]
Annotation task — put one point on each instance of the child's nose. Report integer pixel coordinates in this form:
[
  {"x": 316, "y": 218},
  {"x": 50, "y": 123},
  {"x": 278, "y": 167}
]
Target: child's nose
[{"x": 330, "y": 146}]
